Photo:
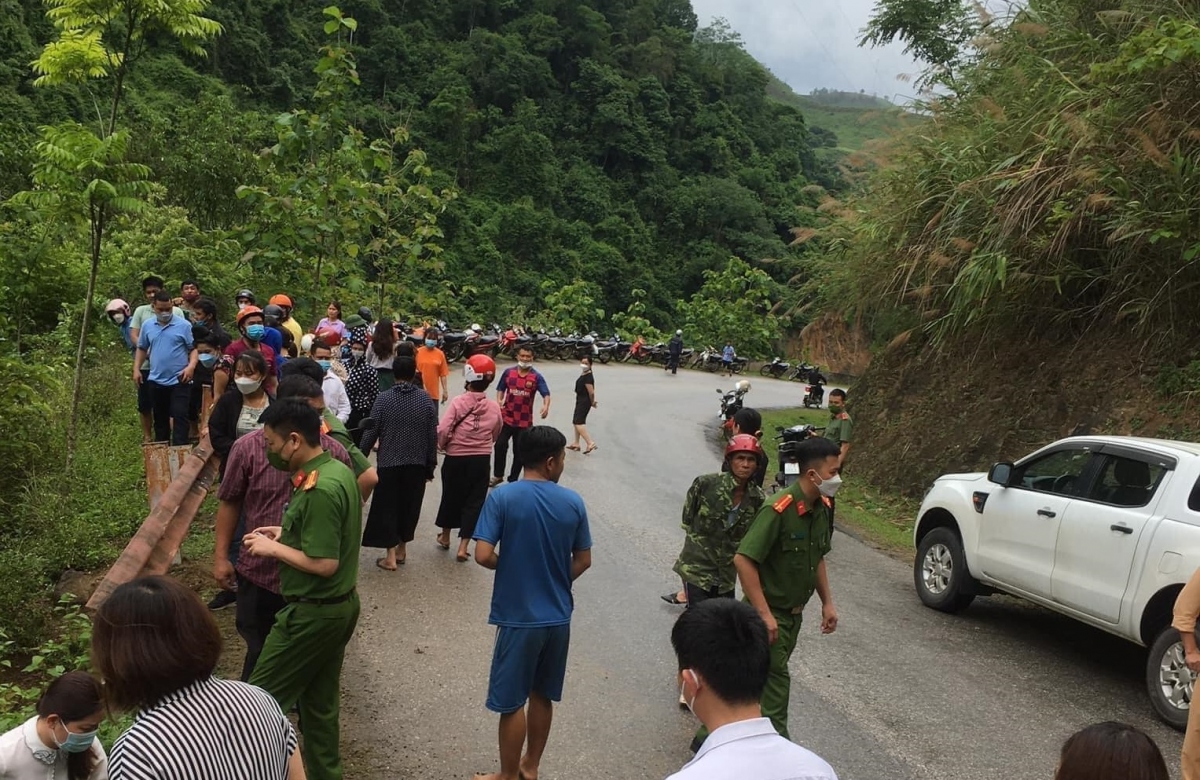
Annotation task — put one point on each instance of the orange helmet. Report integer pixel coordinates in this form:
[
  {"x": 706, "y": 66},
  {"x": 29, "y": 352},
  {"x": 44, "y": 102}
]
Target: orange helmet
[
  {"x": 744, "y": 442},
  {"x": 249, "y": 311},
  {"x": 479, "y": 368},
  {"x": 279, "y": 299}
]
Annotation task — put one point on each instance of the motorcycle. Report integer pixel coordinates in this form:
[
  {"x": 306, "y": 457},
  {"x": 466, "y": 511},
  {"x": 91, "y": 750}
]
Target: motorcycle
[
  {"x": 608, "y": 349},
  {"x": 635, "y": 351},
  {"x": 789, "y": 464},
  {"x": 775, "y": 369},
  {"x": 814, "y": 394},
  {"x": 804, "y": 372},
  {"x": 709, "y": 360},
  {"x": 731, "y": 404}
]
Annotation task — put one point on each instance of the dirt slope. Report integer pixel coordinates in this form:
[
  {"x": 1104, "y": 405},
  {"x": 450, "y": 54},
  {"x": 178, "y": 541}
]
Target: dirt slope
[{"x": 921, "y": 411}]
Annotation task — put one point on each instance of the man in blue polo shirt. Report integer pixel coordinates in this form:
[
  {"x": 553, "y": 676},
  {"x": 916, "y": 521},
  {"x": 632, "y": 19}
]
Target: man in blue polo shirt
[
  {"x": 542, "y": 529},
  {"x": 169, "y": 338}
]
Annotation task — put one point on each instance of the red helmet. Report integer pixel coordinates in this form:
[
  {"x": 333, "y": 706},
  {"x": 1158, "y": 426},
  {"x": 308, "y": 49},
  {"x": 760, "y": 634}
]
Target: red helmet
[
  {"x": 744, "y": 442},
  {"x": 330, "y": 337},
  {"x": 479, "y": 368}
]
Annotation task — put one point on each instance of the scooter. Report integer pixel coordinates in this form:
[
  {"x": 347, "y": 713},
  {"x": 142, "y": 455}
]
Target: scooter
[
  {"x": 789, "y": 463},
  {"x": 731, "y": 404}
]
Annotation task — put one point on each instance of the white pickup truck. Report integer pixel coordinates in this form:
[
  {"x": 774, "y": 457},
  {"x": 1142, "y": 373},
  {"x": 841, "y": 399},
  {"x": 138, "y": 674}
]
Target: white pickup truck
[{"x": 1105, "y": 529}]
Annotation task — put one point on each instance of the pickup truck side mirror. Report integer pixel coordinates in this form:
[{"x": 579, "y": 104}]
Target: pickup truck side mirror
[{"x": 1001, "y": 474}]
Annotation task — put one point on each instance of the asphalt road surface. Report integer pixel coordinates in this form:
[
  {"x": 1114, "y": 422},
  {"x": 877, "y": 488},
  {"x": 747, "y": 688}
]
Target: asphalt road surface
[{"x": 899, "y": 691}]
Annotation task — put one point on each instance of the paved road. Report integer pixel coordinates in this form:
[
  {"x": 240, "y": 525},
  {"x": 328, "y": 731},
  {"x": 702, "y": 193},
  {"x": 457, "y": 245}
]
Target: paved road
[{"x": 898, "y": 692}]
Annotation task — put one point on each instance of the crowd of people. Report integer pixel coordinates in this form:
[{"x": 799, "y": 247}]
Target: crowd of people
[{"x": 294, "y": 423}]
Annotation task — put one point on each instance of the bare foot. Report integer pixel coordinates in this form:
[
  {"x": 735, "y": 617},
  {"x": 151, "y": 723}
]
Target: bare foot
[
  {"x": 495, "y": 776},
  {"x": 527, "y": 773}
]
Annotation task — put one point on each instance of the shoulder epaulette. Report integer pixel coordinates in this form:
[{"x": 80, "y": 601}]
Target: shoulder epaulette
[
  {"x": 828, "y": 503},
  {"x": 311, "y": 482},
  {"x": 325, "y": 429},
  {"x": 783, "y": 503}
]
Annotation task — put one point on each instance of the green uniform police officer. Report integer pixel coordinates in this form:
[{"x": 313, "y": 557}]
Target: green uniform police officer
[
  {"x": 781, "y": 562},
  {"x": 317, "y": 544},
  {"x": 840, "y": 429},
  {"x": 299, "y": 384}
]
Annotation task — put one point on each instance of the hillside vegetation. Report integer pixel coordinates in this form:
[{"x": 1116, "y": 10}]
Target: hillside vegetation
[
  {"x": 1027, "y": 262},
  {"x": 856, "y": 120}
]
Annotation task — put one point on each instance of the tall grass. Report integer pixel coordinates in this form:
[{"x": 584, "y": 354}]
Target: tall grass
[
  {"x": 52, "y": 522},
  {"x": 1057, "y": 188}
]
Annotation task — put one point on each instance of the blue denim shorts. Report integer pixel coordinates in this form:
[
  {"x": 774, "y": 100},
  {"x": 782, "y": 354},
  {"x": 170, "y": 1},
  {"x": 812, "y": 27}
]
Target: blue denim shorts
[{"x": 525, "y": 660}]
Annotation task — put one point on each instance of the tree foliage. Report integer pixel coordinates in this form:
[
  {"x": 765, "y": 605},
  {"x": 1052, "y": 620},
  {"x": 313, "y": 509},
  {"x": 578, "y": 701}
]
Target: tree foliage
[{"x": 735, "y": 304}]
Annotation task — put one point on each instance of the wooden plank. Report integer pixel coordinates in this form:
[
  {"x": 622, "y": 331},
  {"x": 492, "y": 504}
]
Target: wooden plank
[{"x": 133, "y": 558}]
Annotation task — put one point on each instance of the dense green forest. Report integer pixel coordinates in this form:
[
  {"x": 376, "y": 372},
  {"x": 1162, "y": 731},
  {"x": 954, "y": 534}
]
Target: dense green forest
[{"x": 611, "y": 143}]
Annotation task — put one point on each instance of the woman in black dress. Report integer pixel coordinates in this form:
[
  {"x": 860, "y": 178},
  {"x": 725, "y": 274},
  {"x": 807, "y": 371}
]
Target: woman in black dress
[{"x": 585, "y": 401}]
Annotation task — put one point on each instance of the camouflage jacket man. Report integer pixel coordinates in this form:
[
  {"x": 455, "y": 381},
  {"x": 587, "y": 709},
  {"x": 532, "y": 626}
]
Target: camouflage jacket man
[{"x": 714, "y": 527}]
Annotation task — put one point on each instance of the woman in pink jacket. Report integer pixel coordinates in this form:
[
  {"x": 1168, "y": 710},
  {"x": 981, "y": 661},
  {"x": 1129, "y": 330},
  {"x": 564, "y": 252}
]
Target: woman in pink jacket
[{"x": 467, "y": 434}]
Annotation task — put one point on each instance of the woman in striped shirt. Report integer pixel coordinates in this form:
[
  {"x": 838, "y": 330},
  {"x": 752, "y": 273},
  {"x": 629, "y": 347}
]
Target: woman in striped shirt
[{"x": 156, "y": 646}]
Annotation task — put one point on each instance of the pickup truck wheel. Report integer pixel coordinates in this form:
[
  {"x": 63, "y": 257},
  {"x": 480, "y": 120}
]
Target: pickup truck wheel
[
  {"x": 1168, "y": 680},
  {"x": 940, "y": 572}
]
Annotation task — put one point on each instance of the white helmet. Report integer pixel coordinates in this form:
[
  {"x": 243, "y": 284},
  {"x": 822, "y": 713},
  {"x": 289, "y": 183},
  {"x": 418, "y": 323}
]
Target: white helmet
[
  {"x": 679, "y": 333},
  {"x": 476, "y": 327},
  {"x": 306, "y": 342},
  {"x": 743, "y": 386}
]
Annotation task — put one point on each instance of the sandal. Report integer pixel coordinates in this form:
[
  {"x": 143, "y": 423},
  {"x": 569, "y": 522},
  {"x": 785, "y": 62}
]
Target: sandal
[
  {"x": 673, "y": 598},
  {"x": 443, "y": 545},
  {"x": 382, "y": 563},
  {"x": 591, "y": 449},
  {"x": 573, "y": 447}
]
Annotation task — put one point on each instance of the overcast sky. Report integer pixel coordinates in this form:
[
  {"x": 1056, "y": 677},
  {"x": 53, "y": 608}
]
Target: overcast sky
[{"x": 814, "y": 43}]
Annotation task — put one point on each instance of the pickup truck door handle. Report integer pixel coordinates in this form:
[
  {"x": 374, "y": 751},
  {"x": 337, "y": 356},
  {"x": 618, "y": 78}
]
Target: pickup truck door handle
[
  {"x": 1122, "y": 528},
  {"x": 1046, "y": 513}
]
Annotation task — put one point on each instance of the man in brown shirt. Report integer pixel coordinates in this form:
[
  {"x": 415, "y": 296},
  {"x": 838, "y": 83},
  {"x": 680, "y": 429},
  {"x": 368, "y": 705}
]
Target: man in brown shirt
[{"x": 1187, "y": 609}]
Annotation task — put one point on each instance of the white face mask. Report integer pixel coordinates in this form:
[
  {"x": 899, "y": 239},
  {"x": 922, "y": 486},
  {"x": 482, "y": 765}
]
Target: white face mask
[
  {"x": 247, "y": 385},
  {"x": 584, "y": 367},
  {"x": 829, "y": 487},
  {"x": 524, "y": 364},
  {"x": 691, "y": 703},
  {"x": 118, "y": 319}
]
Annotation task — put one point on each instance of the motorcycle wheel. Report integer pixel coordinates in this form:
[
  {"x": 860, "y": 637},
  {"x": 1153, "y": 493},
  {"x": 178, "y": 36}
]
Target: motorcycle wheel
[
  {"x": 712, "y": 366},
  {"x": 738, "y": 368},
  {"x": 765, "y": 370},
  {"x": 603, "y": 357}
]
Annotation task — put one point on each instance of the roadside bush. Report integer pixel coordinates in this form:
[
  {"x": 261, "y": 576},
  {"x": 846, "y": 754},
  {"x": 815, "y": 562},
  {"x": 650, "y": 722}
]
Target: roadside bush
[{"x": 53, "y": 523}]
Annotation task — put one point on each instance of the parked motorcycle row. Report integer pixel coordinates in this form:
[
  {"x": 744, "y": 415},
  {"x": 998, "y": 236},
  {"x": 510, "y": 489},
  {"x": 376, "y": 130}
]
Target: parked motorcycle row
[{"x": 555, "y": 345}]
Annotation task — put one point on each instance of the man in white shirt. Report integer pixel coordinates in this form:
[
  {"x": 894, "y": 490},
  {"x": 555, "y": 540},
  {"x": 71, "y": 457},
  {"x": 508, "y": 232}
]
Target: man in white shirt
[
  {"x": 336, "y": 398},
  {"x": 724, "y": 658}
]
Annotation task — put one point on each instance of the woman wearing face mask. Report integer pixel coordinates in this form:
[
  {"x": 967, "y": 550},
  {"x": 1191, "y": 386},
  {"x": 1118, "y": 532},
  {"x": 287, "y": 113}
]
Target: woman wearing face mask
[
  {"x": 237, "y": 411},
  {"x": 362, "y": 385},
  {"x": 585, "y": 401},
  {"x": 60, "y": 741}
]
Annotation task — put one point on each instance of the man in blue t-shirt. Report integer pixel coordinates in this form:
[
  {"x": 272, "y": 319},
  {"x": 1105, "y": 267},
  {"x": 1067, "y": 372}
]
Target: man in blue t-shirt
[
  {"x": 169, "y": 339},
  {"x": 543, "y": 530}
]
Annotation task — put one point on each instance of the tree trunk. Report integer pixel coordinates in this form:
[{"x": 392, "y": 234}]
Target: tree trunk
[{"x": 77, "y": 384}]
